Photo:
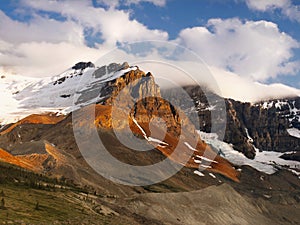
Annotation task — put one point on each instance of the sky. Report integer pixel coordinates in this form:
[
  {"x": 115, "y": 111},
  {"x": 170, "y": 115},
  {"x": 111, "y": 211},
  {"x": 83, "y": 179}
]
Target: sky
[{"x": 251, "y": 43}]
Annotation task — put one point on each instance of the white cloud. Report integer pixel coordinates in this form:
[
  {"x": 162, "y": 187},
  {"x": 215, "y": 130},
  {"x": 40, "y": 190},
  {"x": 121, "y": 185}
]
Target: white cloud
[
  {"x": 256, "y": 50},
  {"x": 154, "y": 2},
  {"x": 39, "y": 29},
  {"x": 224, "y": 83},
  {"x": 239, "y": 88},
  {"x": 253, "y": 49},
  {"x": 45, "y": 46},
  {"x": 114, "y": 25},
  {"x": 44, "y": 58},
  {"x": 287, "y": 8},
  {"x": 179, "y": 72},
  {"x": 264, "y": 5},
  {"x": 115, "y": 3}
]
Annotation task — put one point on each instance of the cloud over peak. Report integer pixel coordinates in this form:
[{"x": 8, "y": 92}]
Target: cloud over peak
[
  {"x": 57, "y": 34},
  {"x": 253, "y": 49}
]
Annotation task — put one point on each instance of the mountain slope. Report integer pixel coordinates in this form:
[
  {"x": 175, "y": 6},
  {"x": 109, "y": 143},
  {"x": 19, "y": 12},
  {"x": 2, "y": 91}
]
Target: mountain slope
[
  {"x": 245, "y": 195},
  {"x": 267, "y": 126}
]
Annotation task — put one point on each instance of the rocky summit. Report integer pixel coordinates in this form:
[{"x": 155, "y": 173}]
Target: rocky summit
[{"x": 252, "y": 173}]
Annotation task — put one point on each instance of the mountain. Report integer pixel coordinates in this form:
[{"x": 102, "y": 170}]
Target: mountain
[
  {"x": 119, "y": 99},
  {"x": 250, "y": 127},
  {"x": 106, "y": 84},
  {"x": 271, "y": 125}
]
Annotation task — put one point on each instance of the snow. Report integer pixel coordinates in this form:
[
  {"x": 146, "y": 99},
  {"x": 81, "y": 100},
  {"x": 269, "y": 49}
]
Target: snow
[
  {"x": 189, "y": 146},
  {"x": 22, "y": 96},
  {"x": 199, "y": 173},
  {"x": 205, "y": 166},
  {"x": 151, "y": 139},
  {"x": 248, "y": 136},
  {"x": 266, "y": 161},
  {"x": 162, "y": 146},
  {"x": 279, "y": 104},
  {"x": 115, "y": 75},
  {"x": 202, "y": 158},
  {"x": 141, "y": 129},
  {"x": 206, "y": 159},
  {"x": 210, "y": 108},
  {"x": 267, "y": 105},
  {"x": 10, "y": 86},
  {"x": 292, "y": 115},
  {"x": 294, "y": 132},
  {"x": 212, "y": 175},
  {"x": 197, "y": 161}
]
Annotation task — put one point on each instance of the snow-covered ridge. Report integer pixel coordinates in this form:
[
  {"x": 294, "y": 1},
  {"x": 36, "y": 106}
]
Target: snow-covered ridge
[
  {"x": 22, "y": 96},
  {"x": 266, "y": 161}
]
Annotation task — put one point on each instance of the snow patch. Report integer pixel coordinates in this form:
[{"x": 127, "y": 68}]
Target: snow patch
[
  {"x": 199, "y": 173},
  {"x": 190, "y": 147},
  {"x": 206, "y": 159},
  {"x": 205, "y": 166},
  {"x": 266, "y": 161},
  {"x": 151, "y": 139},
  {"x": 248, "y": 136},
  {"x": 294, "y": 132},
  {"x": 212, "y": 175},
  {"x": 141, "y": 129}
]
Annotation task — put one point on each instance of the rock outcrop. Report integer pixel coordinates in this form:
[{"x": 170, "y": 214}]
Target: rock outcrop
[
  {"x": 138, "y": 101},
  {"x": 82, "y": 65},
  {"x": 261, "y": 125}
]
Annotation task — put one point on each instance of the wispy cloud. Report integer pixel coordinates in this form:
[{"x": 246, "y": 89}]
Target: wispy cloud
[
  {"x": 116, "y": 3},
  {"x": 287, "y": 8}
]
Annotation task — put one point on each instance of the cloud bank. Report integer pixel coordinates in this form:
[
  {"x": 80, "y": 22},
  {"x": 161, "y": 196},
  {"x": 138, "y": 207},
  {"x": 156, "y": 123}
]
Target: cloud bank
[
  {"x": 60, "y": 33},
  {"x": 253, "y": 49}
]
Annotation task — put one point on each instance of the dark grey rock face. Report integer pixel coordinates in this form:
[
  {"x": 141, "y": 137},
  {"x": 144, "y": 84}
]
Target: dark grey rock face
[
  {"x": 262, "y": 125},
  {"x": 82, "y": 65},
  {"x": 113, "y": 67}
]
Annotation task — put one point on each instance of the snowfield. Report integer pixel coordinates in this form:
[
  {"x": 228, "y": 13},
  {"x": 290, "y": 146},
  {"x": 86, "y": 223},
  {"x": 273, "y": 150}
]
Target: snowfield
[
  {"x": 22, "y": 96},
  {"x": 266, "y": 161}
]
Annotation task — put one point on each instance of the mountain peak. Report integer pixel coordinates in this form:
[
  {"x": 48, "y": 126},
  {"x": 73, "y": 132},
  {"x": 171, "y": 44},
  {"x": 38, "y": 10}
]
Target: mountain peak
[{"x": 83, "y": 65}]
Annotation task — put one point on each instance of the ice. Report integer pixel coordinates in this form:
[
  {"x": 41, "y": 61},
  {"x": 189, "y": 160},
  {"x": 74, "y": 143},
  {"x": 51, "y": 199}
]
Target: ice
[{"x": 265, "y": 161}]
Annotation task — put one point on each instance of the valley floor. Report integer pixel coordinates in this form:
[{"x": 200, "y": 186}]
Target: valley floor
[{"x": 270, "y": 200}]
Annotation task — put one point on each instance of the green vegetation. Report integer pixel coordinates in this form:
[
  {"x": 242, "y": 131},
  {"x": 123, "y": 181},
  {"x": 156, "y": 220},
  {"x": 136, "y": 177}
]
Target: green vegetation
[{"x": 29, "y": 198}]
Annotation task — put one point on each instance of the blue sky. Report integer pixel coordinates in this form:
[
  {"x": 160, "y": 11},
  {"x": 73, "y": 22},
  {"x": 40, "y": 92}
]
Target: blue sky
[{"x": 255, "y": 39}]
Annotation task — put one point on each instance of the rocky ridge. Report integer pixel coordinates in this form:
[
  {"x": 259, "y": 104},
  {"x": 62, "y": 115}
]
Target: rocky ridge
[{"x": 265, "y": 125}]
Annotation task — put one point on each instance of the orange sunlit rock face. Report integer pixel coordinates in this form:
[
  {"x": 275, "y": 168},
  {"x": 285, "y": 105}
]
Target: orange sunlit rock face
[
  {"x": 25, "y": 161},
  {"x": 174, "y": 136},
  {"x": 184, "y": 145},
  {"x": 49, "y": 118}
]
